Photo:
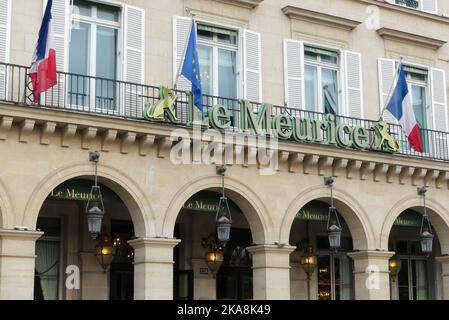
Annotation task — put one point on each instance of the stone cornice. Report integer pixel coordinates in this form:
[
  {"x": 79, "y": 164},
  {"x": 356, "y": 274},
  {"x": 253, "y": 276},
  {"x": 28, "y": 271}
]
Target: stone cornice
[
  {"x": 396, "y": 35},
  {"x": 242, "y": 3},
  {"x": 129, "y": 136},
  {"x": 426, "y": 15},
  {"x": 320, "y": 18}
]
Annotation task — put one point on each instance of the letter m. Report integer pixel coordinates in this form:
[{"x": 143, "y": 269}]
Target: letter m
[{"x": 250, "y": 122}]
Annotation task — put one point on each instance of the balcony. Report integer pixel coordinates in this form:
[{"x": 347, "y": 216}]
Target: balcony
[{"x": 126, "y": 100}]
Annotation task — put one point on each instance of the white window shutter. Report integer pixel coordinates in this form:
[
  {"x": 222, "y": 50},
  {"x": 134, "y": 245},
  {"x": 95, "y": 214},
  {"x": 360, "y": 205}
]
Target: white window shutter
[
  {"x": 353, "y": 84},
  {"x": 5, "y": 33},
  {"x": 439, "y": 112},
  {"x": 134, "y": 64},
  {"x": 61, "y": 14},
  {"x": 294, "y": 74},
  {"x": 252, "y": 61},
  {"x": 386, "y": 71},
  {"x": 181, "y": 33},
  {"x": 430, "y": 6}
]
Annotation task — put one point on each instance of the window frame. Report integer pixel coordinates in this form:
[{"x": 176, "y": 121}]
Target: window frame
[
  {"x": 95, "y": 22},
  {"x": 419, "y": 8},
  {"x": 215, "y": 45},
  {"x": 320, "y": 65}
]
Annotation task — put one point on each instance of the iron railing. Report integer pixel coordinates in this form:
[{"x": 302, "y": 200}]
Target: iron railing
[{"x": 127, "y": 100}]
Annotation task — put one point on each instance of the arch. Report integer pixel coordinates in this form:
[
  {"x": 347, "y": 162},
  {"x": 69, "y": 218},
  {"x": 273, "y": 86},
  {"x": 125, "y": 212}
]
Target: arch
[
  {"x": 134, "y": 198},
  {"x": 6, "y": 214},
  {"x": 355, "y": 216},
  {"x": 249, "y": 202},
  {"x": 438, "y": 216}
]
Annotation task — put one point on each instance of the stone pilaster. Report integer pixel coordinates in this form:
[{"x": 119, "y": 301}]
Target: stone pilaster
[
  {"x": 444, "y": 262},
  {"x": 271, "y": 271}
]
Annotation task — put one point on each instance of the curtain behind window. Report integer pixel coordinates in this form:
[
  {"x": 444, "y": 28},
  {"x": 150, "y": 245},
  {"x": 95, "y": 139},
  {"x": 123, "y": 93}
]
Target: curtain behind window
[
  {"x": 345, "y": 278},
  {"x": 421, "y": 280},
  {"x": 47, "y": 267}
]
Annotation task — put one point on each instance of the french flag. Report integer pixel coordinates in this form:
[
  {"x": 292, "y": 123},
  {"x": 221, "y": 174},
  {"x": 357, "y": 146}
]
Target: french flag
[
  {"x": 401, "y": 108},
  {"x": 43, "y": 66}
]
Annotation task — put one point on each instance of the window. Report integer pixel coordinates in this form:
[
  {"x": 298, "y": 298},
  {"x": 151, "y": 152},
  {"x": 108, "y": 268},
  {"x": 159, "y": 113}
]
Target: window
[
  {"x": 413, "y": 278},
  {"x": 418, "y": 90},
  {"x": 321, "y": 69},
  {"x": 335, "y": 270},
  {"x": 217, "y": 48},
  {"x": 47, "y": 267},
  {"x": 93, "y": 52},
  {"x": 422, "y": 5}
]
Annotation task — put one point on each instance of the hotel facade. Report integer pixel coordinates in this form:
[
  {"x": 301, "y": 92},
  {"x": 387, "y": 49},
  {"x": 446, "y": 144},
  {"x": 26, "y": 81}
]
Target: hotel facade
[{"x": 293, "y": 93}]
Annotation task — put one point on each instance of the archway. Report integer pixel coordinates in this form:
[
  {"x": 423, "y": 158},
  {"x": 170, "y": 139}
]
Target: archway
[
  {"x": 415, "y": 275},
  {"x": 191, "y": 218},
  {"x": 103, "y": 265},
  {"x": 305, "y": 227}
]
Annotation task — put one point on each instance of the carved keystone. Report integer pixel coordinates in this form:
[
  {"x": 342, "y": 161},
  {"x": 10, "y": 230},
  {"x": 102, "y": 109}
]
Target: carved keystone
[
  {"x": 418, "y": 176},
  {"x": 325, "y": 166}
]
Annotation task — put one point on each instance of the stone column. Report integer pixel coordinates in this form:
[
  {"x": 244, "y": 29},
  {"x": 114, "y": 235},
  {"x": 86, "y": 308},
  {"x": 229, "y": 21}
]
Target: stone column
[
  {"x": 371, "y": 274},
  {"x": 17, "y": 261},
  {"x": 444, "y": 261},
  {"x": 153, "y": 268},
  {"x": 271, "y": 271}
]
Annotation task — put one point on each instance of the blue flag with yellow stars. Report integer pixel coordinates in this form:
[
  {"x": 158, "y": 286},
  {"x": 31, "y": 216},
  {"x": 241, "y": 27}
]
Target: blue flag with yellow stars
[{"x": 191, "y": 68}]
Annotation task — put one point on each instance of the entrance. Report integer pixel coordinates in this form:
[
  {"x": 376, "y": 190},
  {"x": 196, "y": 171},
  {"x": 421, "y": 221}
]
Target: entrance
[
  {"x": 66, "y": 242},
  {"x": 195, "y": 226},
  {"x": 417, "y": 273}
]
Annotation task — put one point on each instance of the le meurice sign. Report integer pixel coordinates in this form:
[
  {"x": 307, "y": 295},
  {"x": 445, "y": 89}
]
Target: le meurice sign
[{"x": 329, "y": 130}]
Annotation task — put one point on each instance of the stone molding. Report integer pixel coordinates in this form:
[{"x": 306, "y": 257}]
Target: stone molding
[
  {"x": 412, "y": 38},
  {"x": 250, "y": 4}
]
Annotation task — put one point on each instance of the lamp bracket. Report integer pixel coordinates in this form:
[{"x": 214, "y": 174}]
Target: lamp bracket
[
  {"x": 94, "y": 156},
  {"x": 422, "y": 191},
  {"x": 329, "y": 181},
  {"x": 221, "y": 170}
]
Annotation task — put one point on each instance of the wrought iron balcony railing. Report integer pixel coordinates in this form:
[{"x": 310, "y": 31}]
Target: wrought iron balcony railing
[{"x": 127, "y": 100}]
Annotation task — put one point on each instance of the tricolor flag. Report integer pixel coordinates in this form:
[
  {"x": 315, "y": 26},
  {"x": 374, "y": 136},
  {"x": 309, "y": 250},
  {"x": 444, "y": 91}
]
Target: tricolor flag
[
  {"x": 43, "y": 66},
  {"x": 191, "y": 68},
  {"x": 401, "y": 108}
]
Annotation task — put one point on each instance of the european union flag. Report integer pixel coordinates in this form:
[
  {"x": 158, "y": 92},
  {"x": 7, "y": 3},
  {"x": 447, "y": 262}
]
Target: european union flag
[{"x": 191, "y": 68}]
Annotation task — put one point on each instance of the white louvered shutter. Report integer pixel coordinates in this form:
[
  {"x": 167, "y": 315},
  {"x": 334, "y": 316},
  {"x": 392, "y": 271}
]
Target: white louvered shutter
[
  {"x": 181, "y": 32},
  {"x": 252, "y": 61},
  {"x": 387, "y": 69},
  {"x": 61, "y": 15},
  {"x": 294, "y": 74},
  {"x": 5, "y": 31},
  {"x": 439, "y": 112},
  {"x": 134, "y": 63},
  {"x": 429, "y": 6},
  {"x": 353, "y": 84}
]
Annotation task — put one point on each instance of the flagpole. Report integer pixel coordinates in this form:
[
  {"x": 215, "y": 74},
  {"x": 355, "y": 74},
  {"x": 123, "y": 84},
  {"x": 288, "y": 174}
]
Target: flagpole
[
  {"x": 396, "y": 75},
  {"x": 181, "y": 64}
]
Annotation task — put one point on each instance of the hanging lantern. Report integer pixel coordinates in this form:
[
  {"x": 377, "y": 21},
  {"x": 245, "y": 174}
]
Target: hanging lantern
[
  {"x": 105, "y": 252},
  {"x": 223, "y": 219},
  {"x": 214, "y": 255},
  {"x": 308, "y": 261},
  {"x": 333, "y": 223},
  {"x": 95, "y": 207},
  {"x": 426, "y": 235},
  {"x": 394, "y": 265}
]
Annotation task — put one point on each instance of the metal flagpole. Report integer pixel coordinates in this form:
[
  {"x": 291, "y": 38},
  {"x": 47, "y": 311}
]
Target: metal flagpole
[
  {"x": 181, "y": 64},
  {"x": 396, "y": 75}
]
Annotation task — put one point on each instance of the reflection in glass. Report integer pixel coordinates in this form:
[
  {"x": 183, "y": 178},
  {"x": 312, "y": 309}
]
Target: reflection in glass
[
  {"x": 106, "y": 67},
  {"x": 311, "y": 88},
  {"x": 78, "y": 87}
]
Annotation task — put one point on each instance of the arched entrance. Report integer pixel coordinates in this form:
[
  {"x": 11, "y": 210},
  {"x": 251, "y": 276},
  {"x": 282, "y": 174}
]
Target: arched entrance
[
  {"x": 67, "y": 245},
  {"x": 332, "y": 277},
  {"x": 195, "y": 226},
  {"x": 414, "y": 273}
]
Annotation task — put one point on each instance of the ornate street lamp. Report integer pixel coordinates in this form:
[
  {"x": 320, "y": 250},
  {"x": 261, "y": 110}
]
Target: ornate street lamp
[
  {"x": 223, "y": 219},
  {"x": 308, "y": 263},
  {"x": 214, "y": 255},
  {"x": 95, "y": 206},
  {"x": 333, "y": 223},
  {"x": 426, "y": 235},
  {"x": 105, "y": 252}
]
